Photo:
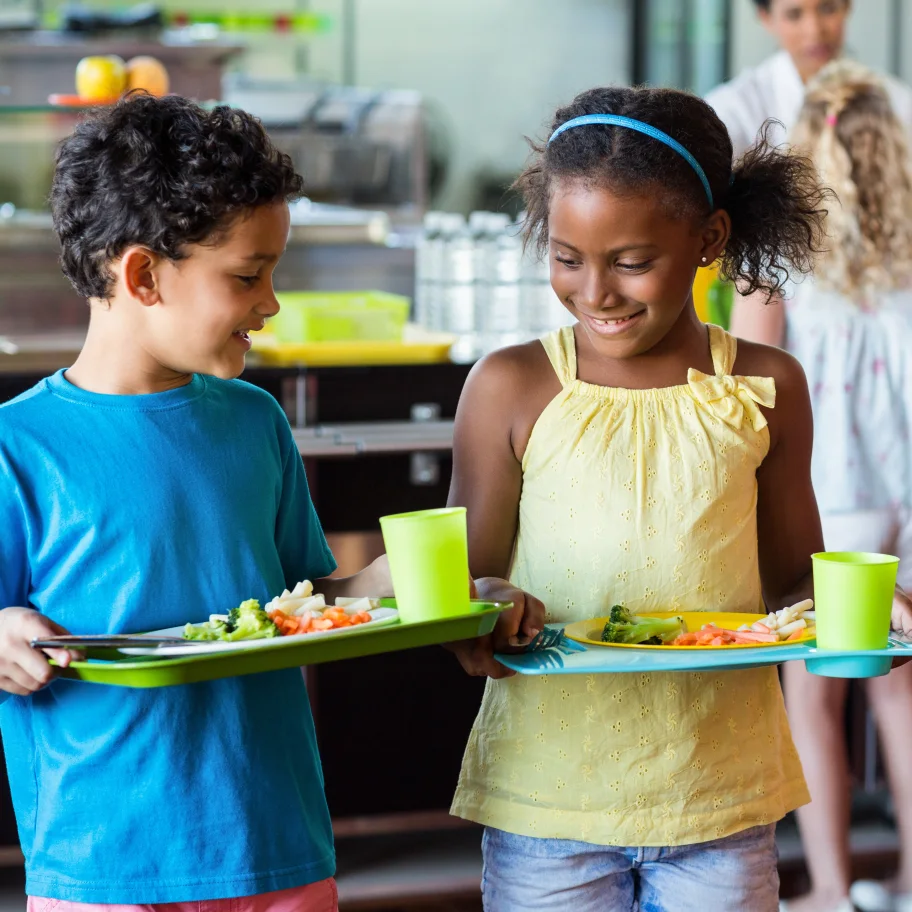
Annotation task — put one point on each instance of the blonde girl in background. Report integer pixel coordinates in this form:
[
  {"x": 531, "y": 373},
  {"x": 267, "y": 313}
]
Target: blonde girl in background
[{"x": 851, "y": 329}]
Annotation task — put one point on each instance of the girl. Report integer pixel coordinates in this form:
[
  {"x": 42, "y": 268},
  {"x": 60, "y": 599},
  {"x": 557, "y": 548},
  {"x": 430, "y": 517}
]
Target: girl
[
  {"x": 851, "y": 328},
  {"x": 640, "y": 457}
]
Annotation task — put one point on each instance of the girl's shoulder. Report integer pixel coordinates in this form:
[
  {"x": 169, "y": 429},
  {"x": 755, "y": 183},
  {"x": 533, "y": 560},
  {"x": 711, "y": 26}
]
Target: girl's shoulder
[
  {"x": 754, "y": 359},
  {"x": 508, "y": 390},
  {"x": 517, "y": 371},
  {"x": 793, "y": 404}
]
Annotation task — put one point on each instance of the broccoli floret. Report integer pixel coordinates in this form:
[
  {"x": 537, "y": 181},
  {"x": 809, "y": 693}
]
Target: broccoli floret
[
  {"x": 249, "y": 622},
  {"x": 625, "y": 627},
  {"x": 620, "y": 615},
  {"x": 246, "y": 622},
  {"x": 210, "y": 630}
]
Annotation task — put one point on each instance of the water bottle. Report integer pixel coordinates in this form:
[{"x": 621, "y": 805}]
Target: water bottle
[
  {"x": 501, "y": 319},
  {"x": 542, "y": 310},
  {"x": 458, "y": 289},
  {"x": 429, "y": 253}
]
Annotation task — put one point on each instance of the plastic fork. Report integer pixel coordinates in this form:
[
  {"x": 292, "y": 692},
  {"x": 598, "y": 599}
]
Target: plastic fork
[{"x": 553, "y": 638}]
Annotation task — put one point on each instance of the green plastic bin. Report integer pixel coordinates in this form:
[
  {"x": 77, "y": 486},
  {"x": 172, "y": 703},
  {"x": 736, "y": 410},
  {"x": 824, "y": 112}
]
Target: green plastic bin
[{"x": 335, "y": 316}]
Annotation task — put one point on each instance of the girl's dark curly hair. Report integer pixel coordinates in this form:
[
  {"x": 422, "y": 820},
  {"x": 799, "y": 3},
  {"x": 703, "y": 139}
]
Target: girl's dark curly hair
[
  {"x": 161, "y": 172},
  {"x": 774, "y": 199}
]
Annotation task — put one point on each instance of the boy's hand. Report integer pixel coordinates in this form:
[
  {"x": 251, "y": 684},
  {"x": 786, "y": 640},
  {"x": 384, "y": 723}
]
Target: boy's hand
[
  {"x": 24, "y": 670},
  {"x": 901, "y": 619},
  {"x": 514, "y": 630}
]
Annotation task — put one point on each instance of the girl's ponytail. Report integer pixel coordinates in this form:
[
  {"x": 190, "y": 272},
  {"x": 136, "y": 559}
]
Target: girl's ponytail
[{"x": 778, "y": 212}]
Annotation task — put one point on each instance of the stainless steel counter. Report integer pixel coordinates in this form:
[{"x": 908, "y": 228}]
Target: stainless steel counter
[{"x": 372, "y": 438}]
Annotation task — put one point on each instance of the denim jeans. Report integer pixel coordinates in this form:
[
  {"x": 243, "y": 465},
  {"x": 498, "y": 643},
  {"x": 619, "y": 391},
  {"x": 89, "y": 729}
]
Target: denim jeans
[{"x": 527, "y": 874}]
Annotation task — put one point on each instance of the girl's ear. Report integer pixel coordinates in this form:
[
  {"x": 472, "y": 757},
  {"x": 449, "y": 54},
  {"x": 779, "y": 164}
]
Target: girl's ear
[{"x": 714, "y": 236}]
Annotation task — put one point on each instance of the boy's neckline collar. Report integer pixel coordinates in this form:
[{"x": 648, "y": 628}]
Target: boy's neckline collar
[{"x": 58, "y": 384}]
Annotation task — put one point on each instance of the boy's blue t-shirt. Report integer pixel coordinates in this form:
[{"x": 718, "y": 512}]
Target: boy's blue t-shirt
[{"x": 129, "y": 513}]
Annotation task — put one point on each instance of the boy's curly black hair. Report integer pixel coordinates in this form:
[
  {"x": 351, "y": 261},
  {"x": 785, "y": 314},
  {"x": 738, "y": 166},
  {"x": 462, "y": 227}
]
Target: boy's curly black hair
[
  {"x": 161, "y": 172},
  {"x": 774, "y": 199}
]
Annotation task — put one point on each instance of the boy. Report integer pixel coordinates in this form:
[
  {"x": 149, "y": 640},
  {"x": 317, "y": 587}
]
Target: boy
[{"x": 145, "y": 487}]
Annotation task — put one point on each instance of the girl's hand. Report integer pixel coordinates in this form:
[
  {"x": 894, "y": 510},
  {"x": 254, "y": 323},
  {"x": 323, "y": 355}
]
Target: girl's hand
[
  {"x": 24, "y": 670},
  {"x": 514, "y": 630},
  {"x": 901, "y": 616},
  {"x": 901, "y": 619}
]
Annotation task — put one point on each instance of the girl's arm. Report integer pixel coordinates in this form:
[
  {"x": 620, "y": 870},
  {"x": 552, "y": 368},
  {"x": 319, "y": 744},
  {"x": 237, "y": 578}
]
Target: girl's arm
[
  {"x": 759, "y": 318},
  {"x": 788, "y": 522},
  {"x": 490, "y": 435},
  {"x": 373, "y": 581}
]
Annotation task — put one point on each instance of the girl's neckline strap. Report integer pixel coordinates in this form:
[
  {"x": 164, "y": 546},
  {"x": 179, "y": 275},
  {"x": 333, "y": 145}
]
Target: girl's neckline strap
[{"x": 560, "y": 347}]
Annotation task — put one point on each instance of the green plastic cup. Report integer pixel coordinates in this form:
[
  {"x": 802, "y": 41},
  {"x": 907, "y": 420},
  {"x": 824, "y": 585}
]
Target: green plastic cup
[
  {"x": 429, "y": 563},
  {"x": 853, "y": 597}
]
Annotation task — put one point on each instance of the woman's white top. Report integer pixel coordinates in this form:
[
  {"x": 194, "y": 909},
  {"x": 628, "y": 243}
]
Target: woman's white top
[{"x": 775, "y": 90}]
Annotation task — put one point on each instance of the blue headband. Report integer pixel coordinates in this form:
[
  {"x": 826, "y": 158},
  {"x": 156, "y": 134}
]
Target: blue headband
[{"x": 616, "y": 120}]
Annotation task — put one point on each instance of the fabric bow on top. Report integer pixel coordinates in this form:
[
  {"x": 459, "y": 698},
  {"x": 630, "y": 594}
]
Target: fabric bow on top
[{"x": 731, "y": 398}]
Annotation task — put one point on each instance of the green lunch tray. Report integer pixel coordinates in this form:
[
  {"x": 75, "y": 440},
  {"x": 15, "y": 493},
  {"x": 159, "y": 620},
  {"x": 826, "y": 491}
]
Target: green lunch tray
[{"x": 107, "y": 667}]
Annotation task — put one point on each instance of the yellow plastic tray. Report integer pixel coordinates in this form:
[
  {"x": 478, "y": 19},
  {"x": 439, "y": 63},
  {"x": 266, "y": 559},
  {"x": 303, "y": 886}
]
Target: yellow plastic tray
[{"x": 418, "y": 349}]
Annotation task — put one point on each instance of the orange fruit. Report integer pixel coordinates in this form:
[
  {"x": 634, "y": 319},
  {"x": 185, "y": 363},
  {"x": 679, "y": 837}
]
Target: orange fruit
[
  {"x": 148, "y": 74},
  {"x": 100, "y": 78}
]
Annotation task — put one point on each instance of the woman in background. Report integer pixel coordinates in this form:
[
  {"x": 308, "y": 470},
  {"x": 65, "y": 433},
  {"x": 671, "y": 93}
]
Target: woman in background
[
  {"x": 851, "y": 329},
  {"x": 810, "y": 33}
]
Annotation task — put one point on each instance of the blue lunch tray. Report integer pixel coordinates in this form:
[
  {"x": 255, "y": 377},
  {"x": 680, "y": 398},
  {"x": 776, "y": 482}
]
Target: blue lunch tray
[{"x": 582, "y": 659}]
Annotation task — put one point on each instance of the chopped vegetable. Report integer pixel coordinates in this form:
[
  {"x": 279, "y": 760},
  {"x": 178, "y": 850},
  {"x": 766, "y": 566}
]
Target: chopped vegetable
[
  {"x": 304, "y": 611},
  {"x": 625, "y": 627},
  {"x": 246, "y": 622},
  {"x": 297, "y": 611}
]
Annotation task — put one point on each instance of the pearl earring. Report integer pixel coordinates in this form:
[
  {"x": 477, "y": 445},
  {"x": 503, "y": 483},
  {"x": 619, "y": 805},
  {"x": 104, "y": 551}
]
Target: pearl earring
[{"x": 703, "y": 260}]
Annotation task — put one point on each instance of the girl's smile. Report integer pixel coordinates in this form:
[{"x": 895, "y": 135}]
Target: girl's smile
[
  {"x": 621, "y": 265},
  {"x": 611, "y": 326}
]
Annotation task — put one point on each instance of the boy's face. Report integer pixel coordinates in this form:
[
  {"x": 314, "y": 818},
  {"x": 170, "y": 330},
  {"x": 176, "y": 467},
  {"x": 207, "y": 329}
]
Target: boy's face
[
  {"x": 209, "y": 302},
  {"x": 620, "y": 265}
]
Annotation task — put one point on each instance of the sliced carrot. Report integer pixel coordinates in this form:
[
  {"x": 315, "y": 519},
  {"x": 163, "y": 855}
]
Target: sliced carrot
[
  {"x": 717, "y": 641},
  {"x": 796, "y": 634},
  {"x": 322, "y": 624},
  {"x": 760, "y": 628},
  {"x": 752, "y": 636}
]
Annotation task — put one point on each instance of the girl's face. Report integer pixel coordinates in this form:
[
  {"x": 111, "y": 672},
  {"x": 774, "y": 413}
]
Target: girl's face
[
  {"x": 811, "y": 31},
  {"x": 621, "y": 266}
]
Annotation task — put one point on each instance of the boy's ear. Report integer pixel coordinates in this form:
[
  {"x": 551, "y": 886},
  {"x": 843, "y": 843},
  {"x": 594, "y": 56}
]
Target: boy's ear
[
  {"x": 138, "y": 275},
  {"x": 714, "y": 236}
]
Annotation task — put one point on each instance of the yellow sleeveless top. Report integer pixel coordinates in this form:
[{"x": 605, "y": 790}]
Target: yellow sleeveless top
[{"x": 645, "y": 498}]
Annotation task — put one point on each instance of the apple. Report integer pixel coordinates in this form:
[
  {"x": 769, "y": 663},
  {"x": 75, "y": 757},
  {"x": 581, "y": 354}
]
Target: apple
[{"x": 101, "y": 78}]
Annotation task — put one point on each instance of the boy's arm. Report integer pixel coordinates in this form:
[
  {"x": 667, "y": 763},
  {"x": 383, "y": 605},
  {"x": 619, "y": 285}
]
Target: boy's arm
[{"x": 23, "y": 670}]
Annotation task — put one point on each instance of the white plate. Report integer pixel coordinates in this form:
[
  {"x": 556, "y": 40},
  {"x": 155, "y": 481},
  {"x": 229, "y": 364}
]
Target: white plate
[{"x": 379, "y": 618}]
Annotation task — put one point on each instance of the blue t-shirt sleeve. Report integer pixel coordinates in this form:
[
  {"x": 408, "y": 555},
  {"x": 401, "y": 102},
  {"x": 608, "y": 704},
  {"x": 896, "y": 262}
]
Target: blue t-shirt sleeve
[
  {"x": 14, "y": 571},
  {"x": 299, "y": 536}
]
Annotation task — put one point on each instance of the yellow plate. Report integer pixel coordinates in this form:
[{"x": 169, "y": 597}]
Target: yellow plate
[
  {"x": 590, "y": 632},
  {"x": 354, "y": 352}
]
